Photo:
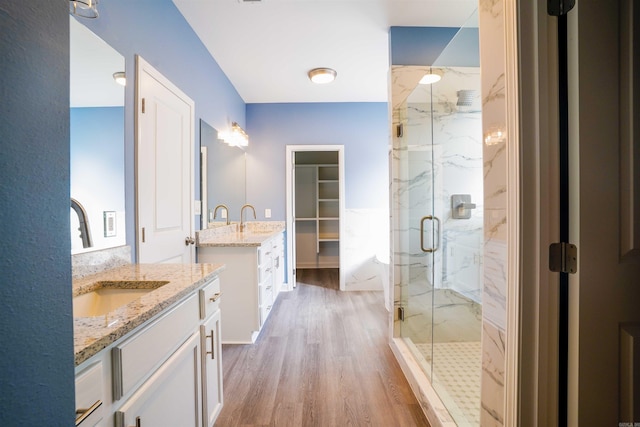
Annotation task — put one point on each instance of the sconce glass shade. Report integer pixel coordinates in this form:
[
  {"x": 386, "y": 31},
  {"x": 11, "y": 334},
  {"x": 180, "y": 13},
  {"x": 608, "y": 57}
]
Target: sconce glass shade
[
  {"x": 84, "y": 8},
  {"x": 120, "y": 78},
  {"x": 322, "y": 75},
  {"x": 236, "y": 136}
]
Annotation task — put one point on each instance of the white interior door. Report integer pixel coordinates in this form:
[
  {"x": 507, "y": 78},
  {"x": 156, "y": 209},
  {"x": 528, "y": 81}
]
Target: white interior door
[
  {"x": 164, "y": 161},
  {"x": 604, "y": 334}
]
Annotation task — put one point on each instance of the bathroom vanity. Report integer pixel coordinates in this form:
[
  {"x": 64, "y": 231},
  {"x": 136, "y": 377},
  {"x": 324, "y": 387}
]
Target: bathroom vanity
[
  {"x": 253, "y": 277},
  {"x": 156, "y": 359}
]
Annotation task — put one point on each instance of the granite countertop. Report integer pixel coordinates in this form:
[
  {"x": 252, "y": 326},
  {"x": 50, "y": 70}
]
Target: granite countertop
[
  {"x": 255, "y": 234},
  {"x": 92, "y": 334}
]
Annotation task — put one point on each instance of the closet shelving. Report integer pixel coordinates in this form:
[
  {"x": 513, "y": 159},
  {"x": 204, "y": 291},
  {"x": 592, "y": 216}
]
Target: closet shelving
[{"x": 317, "y": 215}]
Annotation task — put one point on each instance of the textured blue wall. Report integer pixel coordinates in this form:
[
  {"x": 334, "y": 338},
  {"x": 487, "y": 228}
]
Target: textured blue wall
[
  {"x": 36, "y": 367},
  {"x": 361, "y": 127},
  {"x": 155, "y": 30}
]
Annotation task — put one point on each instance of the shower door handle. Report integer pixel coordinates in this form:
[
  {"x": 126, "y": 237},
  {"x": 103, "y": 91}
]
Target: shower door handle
[{"x": 437, "y": 233}]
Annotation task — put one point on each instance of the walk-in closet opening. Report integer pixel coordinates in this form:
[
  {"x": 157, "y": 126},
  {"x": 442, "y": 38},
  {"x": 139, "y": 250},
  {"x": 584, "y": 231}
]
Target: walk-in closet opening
[{"x": 315, "y": 208}]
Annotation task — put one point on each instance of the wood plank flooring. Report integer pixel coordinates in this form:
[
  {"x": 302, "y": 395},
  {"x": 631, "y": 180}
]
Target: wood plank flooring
[{"x": 323, "y": 360}]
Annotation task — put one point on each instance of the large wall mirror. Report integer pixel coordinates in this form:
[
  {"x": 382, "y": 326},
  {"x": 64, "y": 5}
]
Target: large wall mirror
[
  {"x": 96, "y": 142},
  {"x": 223, "y": 177}
]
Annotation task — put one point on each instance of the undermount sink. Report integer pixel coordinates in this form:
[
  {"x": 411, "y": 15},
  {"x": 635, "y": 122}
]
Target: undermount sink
[{"x": 110, "y": 296}]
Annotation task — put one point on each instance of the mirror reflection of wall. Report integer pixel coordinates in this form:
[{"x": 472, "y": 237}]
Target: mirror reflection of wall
[
  {"x": 96, "y": 139},
  {"x": 225, "y": 176}
]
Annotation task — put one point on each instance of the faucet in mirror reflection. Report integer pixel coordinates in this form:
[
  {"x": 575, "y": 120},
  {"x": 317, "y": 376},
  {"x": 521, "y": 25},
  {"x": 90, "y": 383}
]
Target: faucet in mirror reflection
[
  {"x": 242, "y": 224},
  {"x": 85, "y": 233},
  {"x": 215, "y": 212}
]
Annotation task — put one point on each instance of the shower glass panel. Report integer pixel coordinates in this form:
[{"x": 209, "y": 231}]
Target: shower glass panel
[{"x": 438, "y": 208}]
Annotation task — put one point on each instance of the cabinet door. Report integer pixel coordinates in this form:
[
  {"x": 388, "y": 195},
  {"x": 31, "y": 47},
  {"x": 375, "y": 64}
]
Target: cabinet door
[
  {"x": 170, "y": 397},
  {"x": 211, "y": 369}
]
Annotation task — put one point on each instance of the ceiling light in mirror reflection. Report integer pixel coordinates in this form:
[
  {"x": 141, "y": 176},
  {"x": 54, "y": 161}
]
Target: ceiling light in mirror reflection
[{"x": 236, "y": 136}]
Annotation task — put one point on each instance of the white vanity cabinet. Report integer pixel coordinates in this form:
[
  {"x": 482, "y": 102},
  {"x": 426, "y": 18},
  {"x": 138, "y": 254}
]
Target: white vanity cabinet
[
  {"x": 211, "y": 353},
  {"x": 170, "y": 396},
  {"x": 251, "y": 283},
  {"x": 167, "y": 372}
]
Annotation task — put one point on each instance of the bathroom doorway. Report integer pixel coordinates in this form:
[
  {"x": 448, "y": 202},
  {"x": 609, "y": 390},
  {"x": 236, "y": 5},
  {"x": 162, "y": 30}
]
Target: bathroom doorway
[{"x": 315, "y": 208}]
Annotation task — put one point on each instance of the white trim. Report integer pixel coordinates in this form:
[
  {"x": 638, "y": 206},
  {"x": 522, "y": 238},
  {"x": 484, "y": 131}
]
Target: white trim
[
  {"x": 290, "y": 151},
  {"x": 512, "y": 344},
  {"x": 204, "y": 188}
]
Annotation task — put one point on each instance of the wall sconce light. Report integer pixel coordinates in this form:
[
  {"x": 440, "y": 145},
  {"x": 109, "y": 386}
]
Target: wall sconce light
[
  {"x": 322, "y": 75},
  {"x": 84, "y": 8},
  {"x": 120, "y": 78},
  {"x": 495, "y": 135},
  {"x": 235, "y": 137},
  {"x": 433, "y": 76}
]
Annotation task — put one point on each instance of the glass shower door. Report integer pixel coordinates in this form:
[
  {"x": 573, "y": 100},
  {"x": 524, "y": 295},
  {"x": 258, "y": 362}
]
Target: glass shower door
[{"x": 420, "y": 227}]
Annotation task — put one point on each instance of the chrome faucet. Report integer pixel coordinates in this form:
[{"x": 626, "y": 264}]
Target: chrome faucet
[
  {"x": 242, "y": 224},
  {"x": 215, "y": 212}
]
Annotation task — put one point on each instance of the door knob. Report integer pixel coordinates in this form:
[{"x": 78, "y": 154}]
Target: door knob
[{"x": 189, "y": 241}]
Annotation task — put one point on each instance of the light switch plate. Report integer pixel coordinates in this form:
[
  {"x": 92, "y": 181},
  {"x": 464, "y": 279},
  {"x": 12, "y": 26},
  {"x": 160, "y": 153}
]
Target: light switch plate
[
  {"x": 109, "y": 223},
  {"x": 267, "y": 213}
]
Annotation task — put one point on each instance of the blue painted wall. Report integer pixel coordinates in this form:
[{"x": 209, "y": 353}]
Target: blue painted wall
[
  {"x": 155, "y": 30},
  {"x": 97, "y": 153},
  {"x": 425, "y": 45},
  {"x": 36, "y": 367},
  {"x": 361, "y": 127}
]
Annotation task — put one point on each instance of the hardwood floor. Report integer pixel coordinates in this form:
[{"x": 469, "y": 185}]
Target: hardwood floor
[{"x": 322, "y": 359}]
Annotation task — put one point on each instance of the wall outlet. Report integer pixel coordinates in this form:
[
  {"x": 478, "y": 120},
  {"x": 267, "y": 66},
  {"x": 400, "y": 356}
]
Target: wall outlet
[
  {"x": 223, "y": 213},
  {"x": 267, "y": 213}
]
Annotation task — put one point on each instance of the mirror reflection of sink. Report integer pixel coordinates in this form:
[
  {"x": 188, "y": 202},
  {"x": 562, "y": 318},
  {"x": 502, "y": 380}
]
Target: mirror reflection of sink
[{"x": 110, "y": 296}]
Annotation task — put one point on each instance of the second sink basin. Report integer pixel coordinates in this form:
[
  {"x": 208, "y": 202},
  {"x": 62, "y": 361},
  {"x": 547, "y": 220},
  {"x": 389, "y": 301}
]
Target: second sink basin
[{"x": 110, "y": 296}]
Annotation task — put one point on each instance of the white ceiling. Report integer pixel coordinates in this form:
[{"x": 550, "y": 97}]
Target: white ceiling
[{"x": 267, "y": 47}]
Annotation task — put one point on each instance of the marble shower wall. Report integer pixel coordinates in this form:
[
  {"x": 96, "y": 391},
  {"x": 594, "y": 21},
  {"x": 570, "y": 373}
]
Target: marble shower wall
[{"x": 494, "y": 334}]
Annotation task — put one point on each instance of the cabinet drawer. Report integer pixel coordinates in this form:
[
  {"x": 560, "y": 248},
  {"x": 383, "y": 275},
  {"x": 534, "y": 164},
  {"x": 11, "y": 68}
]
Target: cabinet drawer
[
  {"x": 264, "y": 272},
  {"x": 264, "y": 253},
  {"x": 264, "y": 313},
  {"x": 136, "y": 357},
  {"x": 209, "y": 298},
  {"x": 266, "y": 293},
  {"x": 89, "y": 396}
]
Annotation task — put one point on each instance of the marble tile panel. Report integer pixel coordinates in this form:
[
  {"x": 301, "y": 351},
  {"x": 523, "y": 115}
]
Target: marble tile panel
[{"x": 492, "y": 380}]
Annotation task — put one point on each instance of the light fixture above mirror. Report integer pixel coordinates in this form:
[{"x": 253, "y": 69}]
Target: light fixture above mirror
[
  {"x": 236, "y": 136},
  {"x": 84, "y": 8}
]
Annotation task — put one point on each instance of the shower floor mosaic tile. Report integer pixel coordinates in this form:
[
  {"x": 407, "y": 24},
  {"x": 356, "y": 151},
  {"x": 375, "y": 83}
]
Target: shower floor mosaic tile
[{"x": 457, "y": 369}]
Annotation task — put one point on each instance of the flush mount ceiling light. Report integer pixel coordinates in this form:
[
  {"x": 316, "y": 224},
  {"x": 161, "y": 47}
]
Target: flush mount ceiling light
[
  {"x": 84, "y": 8},
  {"x": 322, "y": 75},
  {"x": 120, "y": 78},
  {"x": 431, "y": 77},
  {"x": 236, "y": 136}
]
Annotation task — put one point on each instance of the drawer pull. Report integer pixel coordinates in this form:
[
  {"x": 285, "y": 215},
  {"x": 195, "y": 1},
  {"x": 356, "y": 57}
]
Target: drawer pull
[
  {"x": 83, "y": 413},
  {"x": 213, "y": 346},
  {"x": 216, "y": 297},
  {"x": 138, "y": 422}
]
